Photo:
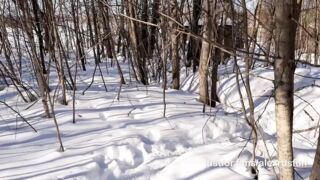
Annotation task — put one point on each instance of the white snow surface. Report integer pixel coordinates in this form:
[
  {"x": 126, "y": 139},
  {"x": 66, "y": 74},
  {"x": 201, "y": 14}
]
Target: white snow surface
[{"x": 130, "y": 138}]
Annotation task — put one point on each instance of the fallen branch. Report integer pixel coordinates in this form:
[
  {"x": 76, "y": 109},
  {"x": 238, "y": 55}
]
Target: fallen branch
[
  {"x": 315, "y": 133},
  {"x": 308, "y": 129},
  {"x": 305, "y": 130},
  {"x": 24, "y": 119}
]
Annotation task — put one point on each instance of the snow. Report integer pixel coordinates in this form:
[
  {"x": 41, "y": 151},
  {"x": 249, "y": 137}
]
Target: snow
[{"x": 130, "y": 139}]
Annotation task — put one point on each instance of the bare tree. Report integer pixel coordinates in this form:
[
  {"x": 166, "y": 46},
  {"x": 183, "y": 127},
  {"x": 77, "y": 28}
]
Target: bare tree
[
  {"x": 286, "y": 13},
  {"x": 194, "y": 44},
  {"x": 206, "y": 50},
  {"x": 175, "y": 36}
]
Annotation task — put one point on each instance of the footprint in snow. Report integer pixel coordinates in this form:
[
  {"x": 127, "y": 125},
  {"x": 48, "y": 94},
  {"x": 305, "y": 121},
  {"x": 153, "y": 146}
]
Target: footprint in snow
[{"x": 125, "y": 156}]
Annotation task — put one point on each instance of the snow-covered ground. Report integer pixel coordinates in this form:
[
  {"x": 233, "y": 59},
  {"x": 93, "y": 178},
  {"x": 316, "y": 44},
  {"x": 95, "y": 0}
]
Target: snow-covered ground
[{"x": 130, "y": 139}]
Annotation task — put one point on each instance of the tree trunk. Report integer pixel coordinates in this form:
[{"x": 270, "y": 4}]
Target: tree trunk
[
  {"x": 214, "y": 71},
  {"x": 140, "y": 60},
  {"x": 36, "y": 13},
  {"x": 75, "y": 16},
  {"x": 153, "y": 30},
  {"x": 315, "y": 173},
  {"x": 205, "y": 55},
  {"x": 175, "y": 50},
  {"x": 284, "y": 68},
  {"x": 194, "y": 44}
]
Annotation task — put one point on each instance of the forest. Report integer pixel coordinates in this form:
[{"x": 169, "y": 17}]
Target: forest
[{"x": 160, "y": 89}]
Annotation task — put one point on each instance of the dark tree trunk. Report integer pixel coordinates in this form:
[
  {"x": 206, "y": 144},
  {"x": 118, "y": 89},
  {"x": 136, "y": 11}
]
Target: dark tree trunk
[{"x": 193, "y": 53}]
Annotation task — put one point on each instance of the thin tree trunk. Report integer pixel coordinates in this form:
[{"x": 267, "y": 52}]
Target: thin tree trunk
[
  {"x": 36, "y": 13},
  {"x": 315, "y": 172},
  {"x": 174, "y": 49},
  {"x": 75, "y": 15},
  {"x": 194, "y": 44},
  {"x": 140, "y": 60},
  {"x": 205, "y": 54}
]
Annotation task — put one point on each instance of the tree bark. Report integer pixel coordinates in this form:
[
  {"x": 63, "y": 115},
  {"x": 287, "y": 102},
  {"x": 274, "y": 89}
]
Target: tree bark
[
  {"x": 175, "y": 49},
  {"x": 205, "y": 55},
  {"x": 133, "y": 32},
  {"x": 194, "y": 44},
  {"x": 286, "y": 12},
  {"x": 315, "y": 172}
]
